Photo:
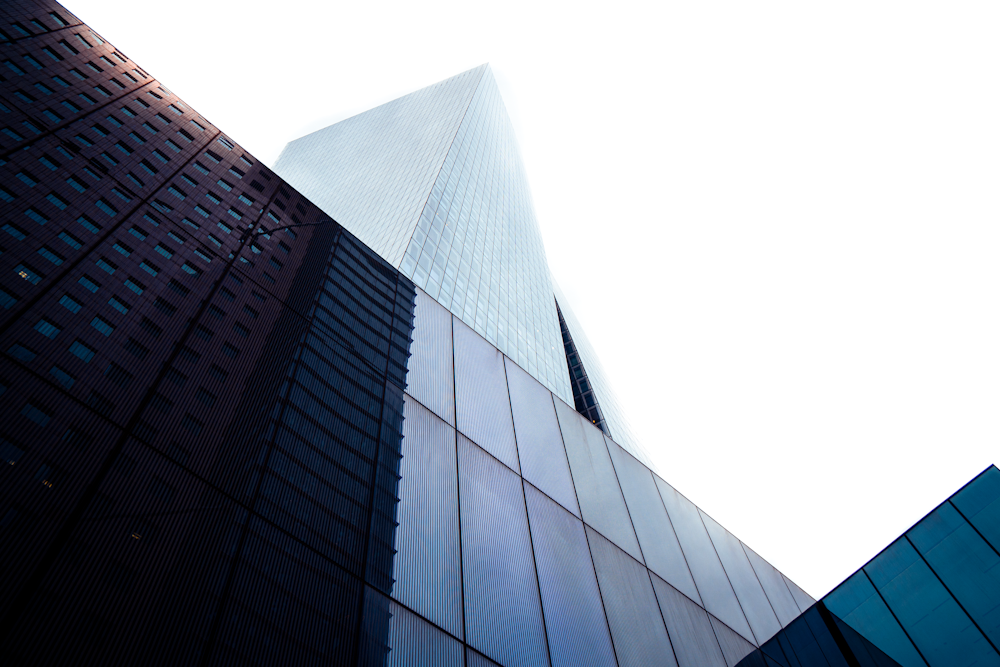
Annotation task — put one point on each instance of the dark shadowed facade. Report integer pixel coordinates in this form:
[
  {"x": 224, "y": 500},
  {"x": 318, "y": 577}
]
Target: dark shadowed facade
[{"x": 335, "y": 416}]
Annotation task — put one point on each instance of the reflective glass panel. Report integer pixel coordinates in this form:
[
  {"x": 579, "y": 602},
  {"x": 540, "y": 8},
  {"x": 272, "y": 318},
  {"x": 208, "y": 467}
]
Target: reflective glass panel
[
  {"x": 372, "y": 172},
  {"x": 713, "y": 584},
  {"x": 979, "y": 502},
  {"x": 430, "y": 378},
  {"x": 574, "y": 617},
  {"x": 594, "y": 476},
  {"x": 426, "y": 568},
  {"x": 933, "y": 619},
  {"x": 636, "y": 625},
  {"x": 757, "y": 609},
  {"x": 656, "y": 536},
  {"x": 774, "y": 586},
  {"x": 539, "y": 444},
  {"x": 691, "y": 634},
  {"x": 857, "y": 603},
  {"x": 965, "y": 562},
  {"x": 503, "y": 614},
  {"x": 482, "y": 404}
]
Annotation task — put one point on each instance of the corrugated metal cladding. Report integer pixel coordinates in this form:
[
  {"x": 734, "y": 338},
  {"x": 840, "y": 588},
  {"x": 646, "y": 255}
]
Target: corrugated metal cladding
[{"x": 235, "y": 434}]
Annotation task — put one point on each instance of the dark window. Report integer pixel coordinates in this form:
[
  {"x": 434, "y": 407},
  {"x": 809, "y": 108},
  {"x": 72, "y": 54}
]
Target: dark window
[
  {"x": 64, "y": 378},
  {"x": 100, "y": 404},
  {"x": 132, "y": 346},
  {"x": 230, "y": 350},
  {"x": 36, "y": 414},
  {"x": 82, "y": 351},
  {"x": 22, "y": 353},
  {"x": 102, "y": 325},
  {"x": 150, "y": 327},
  {"x": 47, "y": 328},
  {"x": 165, "y": 306},
  {"x": 179, "y": 288},
  {"x": 118, "y": 375}
]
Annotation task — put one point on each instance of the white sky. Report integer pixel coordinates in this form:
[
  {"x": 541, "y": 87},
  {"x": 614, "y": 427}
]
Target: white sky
[{"x": 776, "y": 221}]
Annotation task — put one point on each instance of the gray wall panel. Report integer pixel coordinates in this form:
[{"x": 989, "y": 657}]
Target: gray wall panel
[
  {"x": 539, "y": 443},
  {"x": 750, "y": 593},
  {"x": 430, "y": 378},
  {"x": 713, "y": 584},
  {"x": 652, "y": 526},
  {"x": 482, "y": 402},
  {"x": 503, "y": 612},
  {"x": 774, "y": 586},
  {"x": 691, "y": 633},
  {"x": 637, "y": 628},
  {"x": 574, "y": 616},
  {"x": 427, "y": 566},
  {"x": 597, "y": 489},
  {"x": 734, "y": 647}
]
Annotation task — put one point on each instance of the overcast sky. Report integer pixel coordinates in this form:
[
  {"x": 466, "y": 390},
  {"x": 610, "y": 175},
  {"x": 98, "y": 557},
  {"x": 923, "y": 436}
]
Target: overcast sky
[{"x": 776, "y": 221}]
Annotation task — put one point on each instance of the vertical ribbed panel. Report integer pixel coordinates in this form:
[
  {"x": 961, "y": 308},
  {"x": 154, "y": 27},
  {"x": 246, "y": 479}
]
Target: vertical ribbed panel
[
  {"x": 539, "y": 444},
  {"x": 706, "y": 568},
  {"x": 276, "y": 572},
  {"x": 637, "y": 628},
  {"x": 410, "y": 641},
  {"x": 474, "y": 659},
  {"x": 413, "y": 642},
  {"x": 601, "y": 500},
  {"x": 427, "y": 565},
  {"x": 656, "y": 536},
  {"x": 734, "y": 647},
  {"x": 777, "y": 592},
  {"x": 690, "y": 630},
  {"x": 574, "y": 616},
  {"x": 482, "y": 403},
  {"x": 503, "y": 615},
  {"x": 751, "y": 595},
  {"x": 430, "y": 378}
]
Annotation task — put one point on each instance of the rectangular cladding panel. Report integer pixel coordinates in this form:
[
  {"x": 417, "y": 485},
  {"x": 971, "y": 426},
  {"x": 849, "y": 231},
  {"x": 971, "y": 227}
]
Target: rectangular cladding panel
[
  {"x": 503, "y": 613},
  {"x": 656, "y": 535},
  {"x": 427, "y": 565},
  {"x": 637, "y": 627},
  {"x": 574, "y": 616},
  {"x": 597, "y": 488},
  {"x": 691, "y": 633},
  {"x": 539, "y": 442}
]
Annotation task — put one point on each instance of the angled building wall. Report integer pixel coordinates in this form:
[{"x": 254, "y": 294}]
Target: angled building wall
[
  {"x": 229, "y": 442},
  {"x": 443, "y": 197}
]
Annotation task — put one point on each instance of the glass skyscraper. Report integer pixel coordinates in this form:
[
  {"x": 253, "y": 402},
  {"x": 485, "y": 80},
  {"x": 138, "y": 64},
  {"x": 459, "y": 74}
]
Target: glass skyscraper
[{"x": 337, "y": 413}]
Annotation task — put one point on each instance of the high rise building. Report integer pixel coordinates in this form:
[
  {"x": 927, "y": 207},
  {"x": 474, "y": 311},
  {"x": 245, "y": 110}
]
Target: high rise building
[{"x": 336, "y": 413}]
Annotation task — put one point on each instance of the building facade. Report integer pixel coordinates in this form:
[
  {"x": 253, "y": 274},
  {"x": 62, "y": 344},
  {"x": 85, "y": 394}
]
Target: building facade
[
  {"x": 929, "y": 599},
  {"x": 329, "y": 414}
]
